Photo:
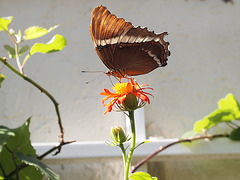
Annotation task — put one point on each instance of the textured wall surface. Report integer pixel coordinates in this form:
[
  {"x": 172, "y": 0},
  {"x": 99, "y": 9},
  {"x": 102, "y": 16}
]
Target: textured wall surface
[
  {"x": 81, "y": 169},
  {"x": 195, "y": 169},
  {"x": 203, "y": 67}
]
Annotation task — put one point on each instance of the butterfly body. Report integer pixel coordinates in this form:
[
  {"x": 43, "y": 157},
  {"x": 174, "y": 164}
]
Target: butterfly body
[{"x": 126, "y": 50}]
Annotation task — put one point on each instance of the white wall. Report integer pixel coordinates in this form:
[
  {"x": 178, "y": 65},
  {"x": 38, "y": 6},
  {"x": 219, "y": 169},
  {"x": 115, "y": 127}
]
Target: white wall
[{"x": 203, "y": 67}]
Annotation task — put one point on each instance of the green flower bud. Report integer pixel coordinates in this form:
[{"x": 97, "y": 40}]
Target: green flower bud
[
  {"x": 118, "y": 136},
  {"x": 131, "y": 102}
]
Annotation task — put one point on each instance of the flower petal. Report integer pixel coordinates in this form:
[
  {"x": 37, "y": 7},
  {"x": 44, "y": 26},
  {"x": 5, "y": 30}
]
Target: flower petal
[
  {"x": 122, "y": 98},
  {"x": 122, "y": 91},
  {"x": 132, "y": 81},
  {"x": 142, "y": 97},
  {"x": 110, "y": 105},
  {"x": 129, "y": 88},
  {"x": 106, "y": 93}
]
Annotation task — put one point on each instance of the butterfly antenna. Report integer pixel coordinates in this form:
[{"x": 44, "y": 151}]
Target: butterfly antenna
[
  {"x": 95, "y": 77},
  {"x": 92, "y": 71},
  {"x": 110, "y": 80}
]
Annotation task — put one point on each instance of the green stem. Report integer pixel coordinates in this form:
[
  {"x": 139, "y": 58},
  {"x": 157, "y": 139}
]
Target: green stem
[
  {"x": 4, "y": 61},
  {"x": 16, "y": 52},
  {"x": 123, "y": 154},
  {"x": 17, "y": 59},
  {"x": 130, "y": 154}
]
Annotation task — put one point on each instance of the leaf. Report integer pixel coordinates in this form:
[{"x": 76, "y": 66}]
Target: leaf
[
  {"x": 36, "y": 32},
  {"x": 141, "y": 176},
  {"x": 4, "y": 135},
  {"x": 229, "y": 110},
  {"x": 218, "y": 116},
  {"x": 10, "y": 50},
  {"x": 2, "y": 77},
  {"x": 144, "y": 142},
  {"x": 12, "y": 53},
  {"x": 229, "y": 102},
  {"x": 23, "y": 49},
  {"x": 57, "y": 43},
  {"x": 33, "y": 161},
  {"x": 4, "y": 22},
  {"x": 19, "y": 143},
  {"x": 235, "y": 134}
]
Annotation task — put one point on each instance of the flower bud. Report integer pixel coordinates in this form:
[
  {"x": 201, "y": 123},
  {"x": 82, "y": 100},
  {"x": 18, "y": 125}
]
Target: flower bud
[
  {"x": 118, "y": 136},
  {"x": 131, "y": 102}
]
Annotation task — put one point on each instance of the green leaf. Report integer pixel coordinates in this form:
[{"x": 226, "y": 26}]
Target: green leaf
[
  {"x": 218, "y": 116},
  {"x": 141, "y": 176},
  {"x": 23, "y": 50},
  {"x": 4, "y": 22},
  {"x": 33, "y": 161},
  {"x": 229, "y": 102},
  {"x": 144, "y": 142},
  {"x": 229, "y": 110},
  {"x": 235, "y": 134},
  {"x": 10, "y": 50},
  {"x": 57, "y": 43},
  {"x": 36, "y": 32},
  {"x": 18, "y": 143},
  {"x": 5, "y": 133},
  {"x": 2, "y": 77}
]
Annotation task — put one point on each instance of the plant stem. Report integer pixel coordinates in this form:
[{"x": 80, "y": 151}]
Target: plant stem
[
  {"x": 17, "y": 59},
  {"x": 237, "y": 126},
  {"x": 130, "y": 154},
  {"x": 123, "y": 154},
  {"x": 4, "y": 61},
  {"x": 12, "y": 38},
  {"x": 16, "y": 52},
  {"x": 176, "y": 142}
]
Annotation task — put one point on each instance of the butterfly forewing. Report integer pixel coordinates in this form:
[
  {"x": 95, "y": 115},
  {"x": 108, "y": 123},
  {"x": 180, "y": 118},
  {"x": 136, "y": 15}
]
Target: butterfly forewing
[{"x": 106, "y": 30}]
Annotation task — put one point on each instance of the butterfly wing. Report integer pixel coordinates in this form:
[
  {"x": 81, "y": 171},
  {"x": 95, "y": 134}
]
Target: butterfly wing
[
  {"x": 140, "y": 51},
  {"x": 124, "y": 49},
  {"x": 106, "y": 29}
]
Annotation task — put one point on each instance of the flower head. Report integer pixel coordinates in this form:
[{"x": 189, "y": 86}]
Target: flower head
[{"x": 128, "y": 96}]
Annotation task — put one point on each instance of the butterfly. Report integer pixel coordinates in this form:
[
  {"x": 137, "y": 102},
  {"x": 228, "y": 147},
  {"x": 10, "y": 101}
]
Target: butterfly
[{"x": 124, "y": 49}]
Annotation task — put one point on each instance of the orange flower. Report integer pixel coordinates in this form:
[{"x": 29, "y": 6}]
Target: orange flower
[{"x": 128, "y": 96}]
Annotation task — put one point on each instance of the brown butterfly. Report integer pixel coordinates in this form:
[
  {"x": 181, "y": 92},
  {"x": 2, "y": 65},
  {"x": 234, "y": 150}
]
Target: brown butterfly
[{"x": 126, "y": 50}]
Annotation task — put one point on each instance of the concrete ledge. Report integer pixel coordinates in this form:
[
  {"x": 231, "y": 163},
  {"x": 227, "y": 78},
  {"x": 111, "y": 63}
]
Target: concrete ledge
[{"x": 222, "y": 146}]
